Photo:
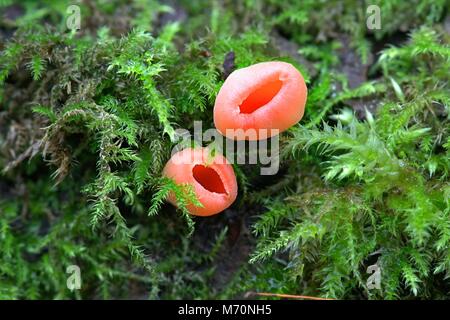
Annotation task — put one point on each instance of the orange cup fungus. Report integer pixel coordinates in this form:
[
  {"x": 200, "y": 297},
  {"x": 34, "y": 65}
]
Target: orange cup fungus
[
  {"x": 212, "y": 178},
  {"x": 267, "y": 95}
]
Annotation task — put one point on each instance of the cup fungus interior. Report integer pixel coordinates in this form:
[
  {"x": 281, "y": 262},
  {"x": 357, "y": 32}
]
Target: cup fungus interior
[
  {"x": 208, "y": 178},
  {"x": 261, "y": 96}
]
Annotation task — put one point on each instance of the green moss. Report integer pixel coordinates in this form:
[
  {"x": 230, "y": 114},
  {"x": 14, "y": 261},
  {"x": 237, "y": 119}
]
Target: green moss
[{"x": 88, "y": 119}]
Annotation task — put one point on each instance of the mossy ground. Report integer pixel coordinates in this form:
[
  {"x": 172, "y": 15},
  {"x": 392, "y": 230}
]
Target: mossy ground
[{"x": 87, "y": 121}]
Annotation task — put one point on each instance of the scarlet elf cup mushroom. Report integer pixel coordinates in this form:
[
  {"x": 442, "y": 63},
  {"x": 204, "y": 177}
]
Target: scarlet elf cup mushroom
[
  {"x": 265, "y": 98},
  {"x": 211, "y": 176}
]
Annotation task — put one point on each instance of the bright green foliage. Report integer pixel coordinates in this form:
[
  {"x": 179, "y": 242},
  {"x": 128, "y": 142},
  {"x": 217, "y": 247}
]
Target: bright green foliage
[
  {"x": 88, "y": 120},
  {"x": 326, "y": 17},
  {"x": 196, "y": 77},
  {"x": 385, "y": 187}
]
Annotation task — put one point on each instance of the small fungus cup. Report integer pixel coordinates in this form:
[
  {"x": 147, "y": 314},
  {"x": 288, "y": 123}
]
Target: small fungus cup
[
  {"x": 211, "y": 176},
  {"x": 260, "y": 101}
]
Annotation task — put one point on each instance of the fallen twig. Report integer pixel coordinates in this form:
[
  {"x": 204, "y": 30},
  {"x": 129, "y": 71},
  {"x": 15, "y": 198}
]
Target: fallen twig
[{"x": 281, "y": 295}]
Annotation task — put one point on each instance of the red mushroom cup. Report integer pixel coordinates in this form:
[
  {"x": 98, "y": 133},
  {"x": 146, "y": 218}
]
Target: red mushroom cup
[
  {"x": 266, "y": 98},
  {"x": 212, "y": 178}
]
